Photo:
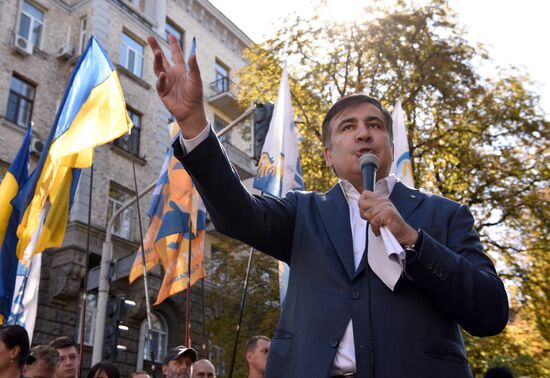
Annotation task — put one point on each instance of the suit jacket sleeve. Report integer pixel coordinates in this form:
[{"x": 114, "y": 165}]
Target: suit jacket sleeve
[
  {"x": 265, "y": 223},
  {"x": 460, "y": 278}
]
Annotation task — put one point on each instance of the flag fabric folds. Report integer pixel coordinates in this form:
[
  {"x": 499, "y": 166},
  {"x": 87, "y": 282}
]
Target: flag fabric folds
[
  {"x": 401, "y": 165},
  {"x": 279, "y": 170},
  {"x": 175, "y": 203},
  {"x": 92, "y": 112},
  {"x": 9, "y": 218}
]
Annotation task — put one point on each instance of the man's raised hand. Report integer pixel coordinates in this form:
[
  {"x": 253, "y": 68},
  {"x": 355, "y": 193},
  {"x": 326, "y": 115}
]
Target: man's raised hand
[{"x": 180, "y": 90}]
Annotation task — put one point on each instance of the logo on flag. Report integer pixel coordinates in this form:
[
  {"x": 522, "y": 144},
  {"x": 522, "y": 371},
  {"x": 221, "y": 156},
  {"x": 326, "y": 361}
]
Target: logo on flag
[{"x": 401, "y": 165}]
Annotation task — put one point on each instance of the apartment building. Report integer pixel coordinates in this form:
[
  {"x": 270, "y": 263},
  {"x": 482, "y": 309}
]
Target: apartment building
[{"x": 40, "y": 42}]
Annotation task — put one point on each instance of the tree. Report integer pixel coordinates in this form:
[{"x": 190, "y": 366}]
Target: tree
[
  {"x": 479, "y": 140},
  {"x": 227, "y": 271}
]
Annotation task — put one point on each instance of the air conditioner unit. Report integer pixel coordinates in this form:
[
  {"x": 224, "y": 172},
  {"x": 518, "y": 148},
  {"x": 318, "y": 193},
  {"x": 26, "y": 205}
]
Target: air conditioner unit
[
  {"x": 36, "y": 147},
  {"x": 23, "y": 45},
  {"x": 65, "y": 52}
]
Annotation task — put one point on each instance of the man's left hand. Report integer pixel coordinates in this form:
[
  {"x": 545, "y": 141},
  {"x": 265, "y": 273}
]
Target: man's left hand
[{"x": 379, "y": 211}]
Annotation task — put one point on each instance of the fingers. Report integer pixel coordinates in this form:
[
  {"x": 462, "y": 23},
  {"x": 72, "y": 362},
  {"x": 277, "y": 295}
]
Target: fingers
[{"x": 177, "y": 55}]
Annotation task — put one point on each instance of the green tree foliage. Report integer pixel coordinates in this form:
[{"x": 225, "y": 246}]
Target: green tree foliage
[
  {"x": 479, "y": 140},
  {"x": 227, "y": 271}
]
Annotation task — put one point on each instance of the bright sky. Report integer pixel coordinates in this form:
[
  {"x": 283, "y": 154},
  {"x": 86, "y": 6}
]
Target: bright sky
[{"x": 515, "y": 33}]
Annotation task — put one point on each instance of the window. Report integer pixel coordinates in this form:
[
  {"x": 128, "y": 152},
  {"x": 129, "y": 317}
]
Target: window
[
  {"x": 123, "y": 224},
  {"x": 90, "y": 316},
  {"x": 216, "y": 357},
  {"x": 175, "y": 31},
  {"x": 31, "y": 23},
  {"x": 221, "y": 83},
  {"x": 220, "y": 124},
  {"x": 20, "y": 101},
  {"x": 130, "y": 142},
  {"x": 131, "y": 55},
  {"x": 83, "y": 37},
  {"x": 159, "y": 334},
  {"x": 3, "y": 170}
]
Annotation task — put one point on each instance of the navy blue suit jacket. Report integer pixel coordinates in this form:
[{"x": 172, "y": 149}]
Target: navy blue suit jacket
[{"x": 413, "y": 331}]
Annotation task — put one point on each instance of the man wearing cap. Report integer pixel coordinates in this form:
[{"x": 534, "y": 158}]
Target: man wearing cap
[{"x": 178, "y": 361}]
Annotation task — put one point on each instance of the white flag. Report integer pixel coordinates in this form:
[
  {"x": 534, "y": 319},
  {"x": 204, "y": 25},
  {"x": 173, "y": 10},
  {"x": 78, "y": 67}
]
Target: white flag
[
  {"x": 279, "y": 169},
  {"x": 401, "y": 165}
]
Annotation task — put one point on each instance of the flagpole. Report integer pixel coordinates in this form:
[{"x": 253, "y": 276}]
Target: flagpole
[
  {"x": 85, "y": 291},
  {"x": 188, "y": 294},
  {"x": 145, "y": 284},
  {"x": 241, "y": 311}
]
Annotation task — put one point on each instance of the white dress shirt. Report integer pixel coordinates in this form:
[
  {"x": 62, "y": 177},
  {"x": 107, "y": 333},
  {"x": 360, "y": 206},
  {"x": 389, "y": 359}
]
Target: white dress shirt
[{"x": 344, "y": 361}]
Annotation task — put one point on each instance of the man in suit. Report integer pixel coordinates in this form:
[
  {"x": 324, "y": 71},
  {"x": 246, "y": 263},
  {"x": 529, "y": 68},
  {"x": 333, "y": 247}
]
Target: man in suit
[{"x": 340, "y": 319}]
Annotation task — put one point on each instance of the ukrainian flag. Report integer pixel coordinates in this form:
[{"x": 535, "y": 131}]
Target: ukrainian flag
[
  {"x": 92, "y": 113},
  {"x": 9, "y": 218}
]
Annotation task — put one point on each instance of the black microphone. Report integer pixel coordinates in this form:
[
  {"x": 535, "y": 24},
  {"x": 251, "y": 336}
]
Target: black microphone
[{"x": 369, "y": 163}]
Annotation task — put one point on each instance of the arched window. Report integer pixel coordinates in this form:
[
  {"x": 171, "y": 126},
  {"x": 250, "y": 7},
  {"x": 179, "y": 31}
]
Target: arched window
[{"x": 160, "y": 341}]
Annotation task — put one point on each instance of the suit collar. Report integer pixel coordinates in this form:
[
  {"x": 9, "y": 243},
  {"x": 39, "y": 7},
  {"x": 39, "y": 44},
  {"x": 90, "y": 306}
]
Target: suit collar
[{"x": 334, "y": 211}]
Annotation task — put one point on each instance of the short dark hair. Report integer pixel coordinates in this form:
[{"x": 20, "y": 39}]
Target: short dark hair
[
  {"x": 347, "y": 102},
  {"x": 499, "y": 372},
  {"x": 45, "y": 353},
  {"x": 253, "y": 341},
  {"x": 15, "y": 335},
  {"x": 106, "y": 367},
  {"x": 63, "y": 342}
]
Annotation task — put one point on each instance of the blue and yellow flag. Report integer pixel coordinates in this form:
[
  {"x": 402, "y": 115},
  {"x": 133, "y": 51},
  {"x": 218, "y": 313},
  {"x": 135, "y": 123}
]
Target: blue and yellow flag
[
  {"x": 9, "y": 218},
  {"x": 174, "y": 204},
  {"x": 93, "y": 112}
]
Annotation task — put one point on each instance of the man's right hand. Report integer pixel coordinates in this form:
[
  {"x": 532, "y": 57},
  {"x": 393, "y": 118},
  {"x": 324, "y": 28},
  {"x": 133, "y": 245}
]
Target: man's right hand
[{"x": 179, "y": 90}]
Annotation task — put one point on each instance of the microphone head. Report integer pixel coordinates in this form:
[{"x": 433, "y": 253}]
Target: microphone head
[{"x": 369, "y": 158}]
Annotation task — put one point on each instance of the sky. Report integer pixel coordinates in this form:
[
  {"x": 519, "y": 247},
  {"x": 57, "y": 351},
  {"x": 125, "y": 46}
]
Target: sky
[{"x": 515, "y": 33}]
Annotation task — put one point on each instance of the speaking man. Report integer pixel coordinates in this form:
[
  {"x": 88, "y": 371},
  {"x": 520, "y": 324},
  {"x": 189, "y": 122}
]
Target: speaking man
[{"x": 350, "y": 310}]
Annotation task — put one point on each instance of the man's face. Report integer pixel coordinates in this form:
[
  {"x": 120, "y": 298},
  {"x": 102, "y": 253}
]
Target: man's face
[
  {"x": 38, "y": 369},
  {"x": 203, "y": 369},
  {"x": 358, "y": 129},
  {"x": 67, "y": 366},
  {"x": 178, "y": 368},
  {"x": 258, "y": 358}
]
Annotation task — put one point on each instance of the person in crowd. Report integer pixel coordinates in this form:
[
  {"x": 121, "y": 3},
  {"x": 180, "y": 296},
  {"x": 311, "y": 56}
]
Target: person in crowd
[
  {"x": 103, "y": 370},
  {"x": 139, "y": 374},
  {"x": 257, "y": 351},
  {"x": 178, "y": 361},
  {"x": 357, "y": 305},
  {"x": 41, "y": 362},
  {"x": 69, "y": 358},
  {"x": 14, "y": 349},
  {"x": 203, "y": 369},
  {"x": 498, "y": 372}
]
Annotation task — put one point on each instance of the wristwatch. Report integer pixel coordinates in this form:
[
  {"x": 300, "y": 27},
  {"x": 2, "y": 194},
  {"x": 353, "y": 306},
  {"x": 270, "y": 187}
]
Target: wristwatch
[{"x": 412, "y": 249}]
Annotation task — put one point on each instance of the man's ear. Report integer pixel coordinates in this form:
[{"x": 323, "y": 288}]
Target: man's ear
[{"x": 328, "y": 156}]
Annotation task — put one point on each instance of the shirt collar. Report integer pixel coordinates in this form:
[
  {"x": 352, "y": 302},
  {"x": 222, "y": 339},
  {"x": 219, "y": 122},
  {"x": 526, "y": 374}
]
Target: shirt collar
[{"x": 383, "y": 186}]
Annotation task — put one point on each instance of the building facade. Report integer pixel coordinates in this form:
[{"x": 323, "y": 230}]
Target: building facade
[{"x": 40, "y": 42}]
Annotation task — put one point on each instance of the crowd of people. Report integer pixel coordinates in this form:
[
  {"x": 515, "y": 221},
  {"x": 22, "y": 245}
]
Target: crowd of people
[{"x": 60, "y": 359}]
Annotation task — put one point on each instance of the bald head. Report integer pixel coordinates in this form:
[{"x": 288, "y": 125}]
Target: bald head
[{"x": 203, "y": 369}]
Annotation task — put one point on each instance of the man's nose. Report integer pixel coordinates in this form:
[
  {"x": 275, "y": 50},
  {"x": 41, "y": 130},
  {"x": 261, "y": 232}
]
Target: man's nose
[{"x": 363, "y": 133}]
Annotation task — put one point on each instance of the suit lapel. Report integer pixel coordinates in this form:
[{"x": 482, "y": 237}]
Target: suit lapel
[
  {"x": 334, "y": 212},
  {"x": 405, "y": 201}
]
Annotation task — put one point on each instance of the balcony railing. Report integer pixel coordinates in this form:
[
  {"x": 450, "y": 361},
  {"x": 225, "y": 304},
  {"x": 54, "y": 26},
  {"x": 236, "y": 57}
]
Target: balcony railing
[{"x": 223, "y": 95}]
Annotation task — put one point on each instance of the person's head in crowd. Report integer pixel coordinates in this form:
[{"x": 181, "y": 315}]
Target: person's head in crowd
[
  {"x": 257, "y": 350},
  {"x": 139, "y": 374},
  {"x": 203, "y": 369},
  {"x": 69, "y": 359},
  {"x": 41, "y": 362},
  {"x": 14, "y": 349},
  {"x": 178, "y": 361},
  {"x": 498, "y": 372},
  {"x": 103, "y": 370}
]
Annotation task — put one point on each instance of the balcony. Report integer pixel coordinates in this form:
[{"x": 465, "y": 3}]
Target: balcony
[{"x": 223, "y": 95}]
